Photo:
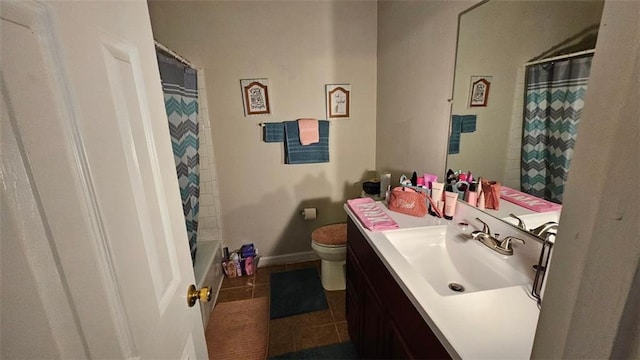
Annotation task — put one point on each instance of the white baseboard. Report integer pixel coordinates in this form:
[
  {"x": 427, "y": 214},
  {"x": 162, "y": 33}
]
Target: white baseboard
[{"x": 288, "y": 258}]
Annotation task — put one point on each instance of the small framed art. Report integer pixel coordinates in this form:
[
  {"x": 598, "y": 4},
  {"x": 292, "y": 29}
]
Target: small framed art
[
  {"x": 255, "y": 96},
  {"x": 479, "y": 91},
  {"x": 338, "y": 101}
]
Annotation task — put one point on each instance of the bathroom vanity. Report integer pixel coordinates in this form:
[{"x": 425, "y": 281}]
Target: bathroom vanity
[
  {"x": 399, "y": 304},
  {"x": 383, "y": 323}
]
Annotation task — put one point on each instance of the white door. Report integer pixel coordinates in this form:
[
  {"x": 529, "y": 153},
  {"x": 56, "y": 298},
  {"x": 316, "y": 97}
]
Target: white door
[{"x": 94, "y": 255}]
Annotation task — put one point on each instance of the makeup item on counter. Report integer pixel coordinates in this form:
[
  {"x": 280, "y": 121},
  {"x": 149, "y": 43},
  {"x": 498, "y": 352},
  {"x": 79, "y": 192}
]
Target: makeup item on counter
[
  {"x": 491, "y": 190},
  {"x": 414, "y": 179},
  {"x": 462, "y": 177},
  {"x": 433, "y": 208},
  {"x": 429, "y": 178},
  {"x": 408, "y": 201},
  {"x": 481, "y": 201},
  {"x": 471, "y": 195},
  {"x": 451, "y": 198},
  {"x": 420, "y": 182},
  {"x": 436, "y": 193},
  {"x": 404, "y": 180},
  {"x": 461, "y": 188},
  {"x": 479, "y": 187},
  {"x": 469, "y": 177},
  {"x": 451, "y": 176}
]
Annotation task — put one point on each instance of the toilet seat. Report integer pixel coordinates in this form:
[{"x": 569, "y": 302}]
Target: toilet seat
[
  {"x": 334, "y": 235},
  {"x": 330, "y": 243}
]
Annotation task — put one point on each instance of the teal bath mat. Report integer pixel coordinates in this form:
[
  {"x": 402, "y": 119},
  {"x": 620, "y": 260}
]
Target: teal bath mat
[
  {"x": 344, "y": 350},
  {"x": 296, "y": 292}
]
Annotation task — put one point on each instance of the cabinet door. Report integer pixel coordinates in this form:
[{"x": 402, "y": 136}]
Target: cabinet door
[
  {"x": 353, "y": 308},
  {"x": 397, "y": 348},
  {"x": 374, "y": 325}
]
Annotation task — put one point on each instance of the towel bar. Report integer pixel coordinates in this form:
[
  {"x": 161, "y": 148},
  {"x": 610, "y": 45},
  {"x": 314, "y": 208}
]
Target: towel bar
[{"x": 262, "y": 124}]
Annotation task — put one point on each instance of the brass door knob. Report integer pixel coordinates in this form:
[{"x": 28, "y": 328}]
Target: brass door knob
[{"x": 204, "y": 294}]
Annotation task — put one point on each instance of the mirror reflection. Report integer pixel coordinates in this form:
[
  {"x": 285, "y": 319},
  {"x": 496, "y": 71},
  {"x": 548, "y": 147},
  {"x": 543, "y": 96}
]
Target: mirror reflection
[{"x": 521, "y": 75}]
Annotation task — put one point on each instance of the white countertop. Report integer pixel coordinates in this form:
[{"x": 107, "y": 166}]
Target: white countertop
[{"x": 490, "y": 324}]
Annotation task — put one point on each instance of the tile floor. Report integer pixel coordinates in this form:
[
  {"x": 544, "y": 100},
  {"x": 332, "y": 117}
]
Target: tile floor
[{"x": 297, "y": 332}]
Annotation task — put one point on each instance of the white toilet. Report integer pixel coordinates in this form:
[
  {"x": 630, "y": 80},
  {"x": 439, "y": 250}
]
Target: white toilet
[{"x": 330, "y": 243}]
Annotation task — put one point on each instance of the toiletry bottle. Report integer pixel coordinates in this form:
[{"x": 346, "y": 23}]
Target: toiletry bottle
[
  {"x": 451, "y": 198},
  {"x": 481, "y": 201},
  {"x": 472, "y": 195}
]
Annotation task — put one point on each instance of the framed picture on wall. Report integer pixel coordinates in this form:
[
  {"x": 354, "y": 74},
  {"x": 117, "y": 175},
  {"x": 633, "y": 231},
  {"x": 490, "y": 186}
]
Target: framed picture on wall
[
  {"x": 255, "y": 97},
  {"x": 479, "y": 91},
  {"x": 338, "y": 101}
]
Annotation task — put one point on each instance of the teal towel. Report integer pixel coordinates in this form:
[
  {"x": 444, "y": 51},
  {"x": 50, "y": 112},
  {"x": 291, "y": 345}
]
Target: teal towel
[
  {"x": 296, "y": 153},
  {"x": 467, "y": 123},
  {"x": 273, "y": 132},
  {"x": 454, "y": 138}
]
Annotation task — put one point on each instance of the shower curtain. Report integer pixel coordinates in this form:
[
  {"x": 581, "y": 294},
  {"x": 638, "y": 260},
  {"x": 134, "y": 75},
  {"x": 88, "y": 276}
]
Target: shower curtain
[
  {"x": 179, "y": 84},
  {"x": 554, "y": 100}
]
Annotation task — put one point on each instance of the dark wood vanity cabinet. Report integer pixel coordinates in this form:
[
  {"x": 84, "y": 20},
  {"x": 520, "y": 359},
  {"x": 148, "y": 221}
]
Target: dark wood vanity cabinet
[{"x": 383, "y": 323}]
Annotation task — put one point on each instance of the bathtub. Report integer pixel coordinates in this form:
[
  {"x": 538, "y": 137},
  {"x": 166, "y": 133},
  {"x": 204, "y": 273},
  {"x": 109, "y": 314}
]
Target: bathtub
[{"x": 207, "y": 269}]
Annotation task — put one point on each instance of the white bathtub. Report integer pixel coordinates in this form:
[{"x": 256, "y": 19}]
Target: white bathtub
[{"x": 207, "y": 269}]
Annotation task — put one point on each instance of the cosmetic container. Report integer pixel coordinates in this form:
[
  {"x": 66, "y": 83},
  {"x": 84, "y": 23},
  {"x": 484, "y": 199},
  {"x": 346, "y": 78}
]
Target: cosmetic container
[{"x": 451, "y": 199}]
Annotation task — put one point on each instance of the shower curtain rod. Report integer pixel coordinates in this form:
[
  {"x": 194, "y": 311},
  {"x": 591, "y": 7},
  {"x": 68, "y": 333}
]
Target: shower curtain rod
[
  {"x": 560, "y": 57},
  {"x": 174, "y": 54}
]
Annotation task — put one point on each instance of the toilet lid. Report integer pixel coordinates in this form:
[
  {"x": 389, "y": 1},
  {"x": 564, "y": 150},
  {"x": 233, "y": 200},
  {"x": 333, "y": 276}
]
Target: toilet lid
[{"x": 335, "y": 234}]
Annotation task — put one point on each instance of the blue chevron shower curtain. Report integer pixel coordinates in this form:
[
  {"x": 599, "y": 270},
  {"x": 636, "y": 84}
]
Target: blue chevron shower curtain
[
  {"x": 179, "y": 84},
  {"x": 554, "y": 101}
]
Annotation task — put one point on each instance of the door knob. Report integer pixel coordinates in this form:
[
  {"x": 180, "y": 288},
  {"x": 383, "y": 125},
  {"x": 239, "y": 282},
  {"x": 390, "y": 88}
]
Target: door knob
[{"x": 204, "y": 294}]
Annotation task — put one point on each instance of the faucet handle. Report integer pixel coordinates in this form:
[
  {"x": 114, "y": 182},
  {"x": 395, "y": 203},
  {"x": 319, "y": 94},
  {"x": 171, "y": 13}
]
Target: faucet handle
[
  {"x": 485, "y": 227},
  {"x": 521, "y": 224},
  {"x": 506, "y": 243}
]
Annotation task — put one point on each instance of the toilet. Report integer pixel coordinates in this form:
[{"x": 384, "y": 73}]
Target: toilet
[{"x": 330, "y": 243}]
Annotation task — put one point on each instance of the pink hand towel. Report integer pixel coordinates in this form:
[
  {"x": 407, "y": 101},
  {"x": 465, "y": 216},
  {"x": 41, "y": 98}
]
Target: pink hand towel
[
  {"x": 528, "y": 201},
  {"x": 308, "y": 131},
  {"x": 371, "y": 214}
]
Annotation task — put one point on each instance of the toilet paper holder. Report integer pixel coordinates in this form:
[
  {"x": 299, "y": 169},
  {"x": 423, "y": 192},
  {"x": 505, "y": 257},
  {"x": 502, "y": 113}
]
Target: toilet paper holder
[{"x": 309, "y": 213}]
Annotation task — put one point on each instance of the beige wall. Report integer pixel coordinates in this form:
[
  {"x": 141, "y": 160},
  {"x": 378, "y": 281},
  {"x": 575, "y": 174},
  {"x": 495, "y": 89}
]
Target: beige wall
[
  {"x": 591, "y": 307},
  {"x": 416, "y": 56},
  {"x": 487, "y": 47},
  {"x": 299, "y": 47}
]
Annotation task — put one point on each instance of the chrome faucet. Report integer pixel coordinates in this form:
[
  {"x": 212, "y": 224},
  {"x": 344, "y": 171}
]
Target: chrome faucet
[
  {"x": 500, "y": 246},
  {"x": 545, "y": 228},
  {"x": 541, "y": 231}
]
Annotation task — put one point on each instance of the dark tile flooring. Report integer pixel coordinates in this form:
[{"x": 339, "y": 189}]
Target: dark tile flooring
[{"x": 297, "y": 332}]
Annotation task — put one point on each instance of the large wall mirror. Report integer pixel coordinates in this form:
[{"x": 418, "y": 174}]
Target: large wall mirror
[{"x": 494, "y": 90}]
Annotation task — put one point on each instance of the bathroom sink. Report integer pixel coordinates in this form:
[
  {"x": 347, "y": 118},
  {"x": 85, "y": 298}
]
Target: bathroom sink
[{"x": 449, "y": 260}]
